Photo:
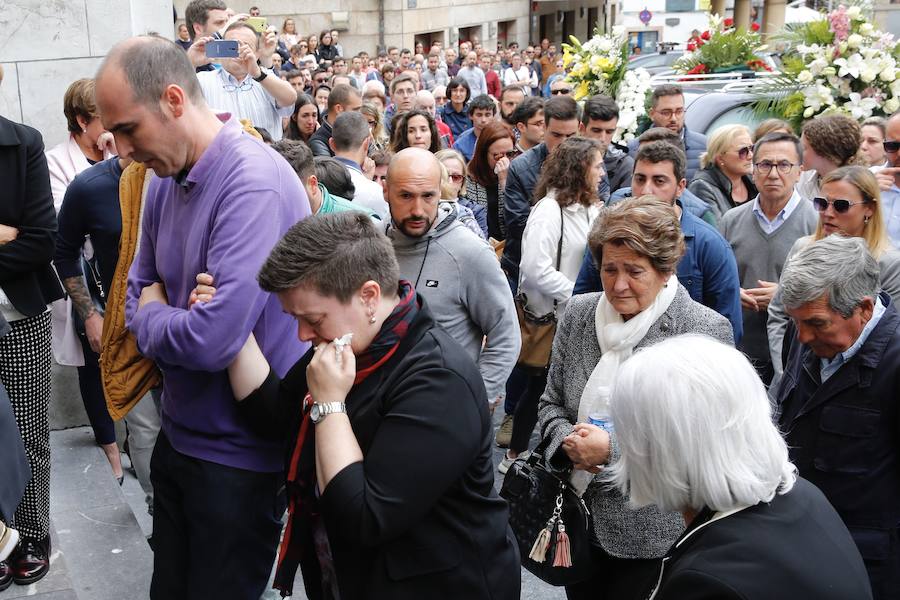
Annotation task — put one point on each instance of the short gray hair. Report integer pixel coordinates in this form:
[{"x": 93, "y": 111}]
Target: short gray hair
[
  {"x": 699, "y": 432},
  {"x": 349, "y": 131},
  {"x": 150, "y": 64},
  {"x": 838, "y": 268}
]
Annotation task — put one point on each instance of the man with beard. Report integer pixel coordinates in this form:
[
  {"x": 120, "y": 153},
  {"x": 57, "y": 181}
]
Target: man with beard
[{"x": 473, "y": 304}]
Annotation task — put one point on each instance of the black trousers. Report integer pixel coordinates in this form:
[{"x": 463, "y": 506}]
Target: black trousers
[
  {"x": 92, "y": 396},
  {"x": 616, "y": 578},
  {"x": 215, "y": 528},
  {"x": 527, "y": 412}
]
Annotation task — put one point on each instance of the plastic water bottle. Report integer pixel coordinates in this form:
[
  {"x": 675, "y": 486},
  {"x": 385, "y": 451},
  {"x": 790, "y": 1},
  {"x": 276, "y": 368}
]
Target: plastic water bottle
[{"x": 600, "y": 416}]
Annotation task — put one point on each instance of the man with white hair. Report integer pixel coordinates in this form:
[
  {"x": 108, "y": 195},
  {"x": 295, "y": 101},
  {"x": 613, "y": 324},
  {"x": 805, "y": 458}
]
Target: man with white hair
[
  {"x": 425, "y": 101},
  {"x": 890, "y": 193},
  {"x": 837, "y": 401}
]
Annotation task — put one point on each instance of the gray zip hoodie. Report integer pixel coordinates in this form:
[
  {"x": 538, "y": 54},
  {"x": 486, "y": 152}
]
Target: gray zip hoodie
[{"x": 460, "y": 277}]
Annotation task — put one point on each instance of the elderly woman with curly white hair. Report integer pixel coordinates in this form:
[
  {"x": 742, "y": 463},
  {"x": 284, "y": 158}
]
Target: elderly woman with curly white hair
[{"x": 697, "y": 437}]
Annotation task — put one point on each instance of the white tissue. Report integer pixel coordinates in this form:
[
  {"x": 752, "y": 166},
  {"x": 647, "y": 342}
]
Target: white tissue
[{"x": 339, "y": 344}]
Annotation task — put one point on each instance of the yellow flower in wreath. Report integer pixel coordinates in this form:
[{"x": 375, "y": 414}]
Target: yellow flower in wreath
[{"x": 583, "y": 90}]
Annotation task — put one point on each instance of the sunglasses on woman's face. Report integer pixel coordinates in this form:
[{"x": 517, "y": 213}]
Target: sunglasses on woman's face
[
  {"x": 840, "y": 206},
  {"x": 891, "y": 146},
  {"x": 745, "y": 152}
]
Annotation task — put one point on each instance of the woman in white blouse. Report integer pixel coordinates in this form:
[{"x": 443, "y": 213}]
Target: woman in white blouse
[
  {"x": 518, "y": 75},
  {"x": 553, "y": 247}
]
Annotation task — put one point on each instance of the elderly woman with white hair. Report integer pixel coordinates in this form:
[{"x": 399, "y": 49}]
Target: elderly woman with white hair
[
  {"x": 697, "y": 437},
  {"x": 636, "y": 244}
]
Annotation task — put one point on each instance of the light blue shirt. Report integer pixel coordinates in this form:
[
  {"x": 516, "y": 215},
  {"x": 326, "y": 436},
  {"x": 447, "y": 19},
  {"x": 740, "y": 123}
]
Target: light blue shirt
[
  {"x": 771, "y": 226},
  {"x": 830, "y": 366},
  {"x": 246, "y": 99},
  {"x": 890, "y": 207}
]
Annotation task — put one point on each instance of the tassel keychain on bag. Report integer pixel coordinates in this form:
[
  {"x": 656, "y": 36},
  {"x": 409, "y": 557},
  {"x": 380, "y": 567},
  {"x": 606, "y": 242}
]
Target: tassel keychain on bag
[{"x": 562, "y": 550}]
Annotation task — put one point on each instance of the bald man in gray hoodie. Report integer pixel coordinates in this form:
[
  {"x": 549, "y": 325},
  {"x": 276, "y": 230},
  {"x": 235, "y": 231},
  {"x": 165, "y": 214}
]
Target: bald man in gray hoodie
[{"x": 452, "y": 268}]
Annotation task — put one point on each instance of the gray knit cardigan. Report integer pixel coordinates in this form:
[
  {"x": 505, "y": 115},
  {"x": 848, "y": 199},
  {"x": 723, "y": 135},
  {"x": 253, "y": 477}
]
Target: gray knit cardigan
[{"x": 619, "y": 530}]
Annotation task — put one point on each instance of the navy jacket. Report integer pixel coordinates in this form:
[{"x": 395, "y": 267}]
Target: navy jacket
[
  {"x": 844, "y": 436},
  {"x": 694, "y": 146},
  {"x": 456, "y": 121},
  {"x": 687, "y": 200},
  {"x": 792, "y": 547},
  {"x": 708, "y": 270}
]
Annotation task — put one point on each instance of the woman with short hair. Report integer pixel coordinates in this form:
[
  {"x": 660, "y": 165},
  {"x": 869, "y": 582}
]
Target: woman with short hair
[
  {"x": 369, "y": 518},
  {"x": 455, "y": 112},
  {"x": 771, "y": 126},
  {"x": 305, "y": 119},
  {"x": 723, "y": 180},
  {"x": 636, "y": 244},
  {"x": 849, "y": 204},
  {"x": 697, "y": 437},
  {"x": 486, "y": 174},
  {"x": 415, "y": 129}
]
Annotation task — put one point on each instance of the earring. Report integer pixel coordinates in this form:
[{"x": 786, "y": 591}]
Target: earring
[
  {"x": 866, "y": 220},
  {"x": 372, "y": 319}
]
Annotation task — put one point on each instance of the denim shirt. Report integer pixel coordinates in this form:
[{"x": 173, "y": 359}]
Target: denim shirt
[{"x": 708, "y": 271}]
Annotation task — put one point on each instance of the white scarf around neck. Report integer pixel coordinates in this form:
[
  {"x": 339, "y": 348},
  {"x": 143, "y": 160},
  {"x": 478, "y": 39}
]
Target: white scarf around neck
[{"x": 617, "y": 338}]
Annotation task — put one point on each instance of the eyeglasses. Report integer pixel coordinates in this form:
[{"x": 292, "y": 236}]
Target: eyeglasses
[
  {"x": 536, "y": 123},
  {"x": 440, "y": 98},
  {"x": 228, "y": 87},
  {"x": 840, "y": 206},
  {"x": 891, "y": 146},
  {"x": 765, "y": 167},
  {"x": 669, "y": 113},
  {"x": 745, "y": 152},
  {"x": 565, "y": 91},
  {"x": 456, "y": 177}
]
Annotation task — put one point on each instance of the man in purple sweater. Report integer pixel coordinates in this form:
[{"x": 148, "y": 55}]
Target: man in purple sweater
[{"x": 219, "y": 203}]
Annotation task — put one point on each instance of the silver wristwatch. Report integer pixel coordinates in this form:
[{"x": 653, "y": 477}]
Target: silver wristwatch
[{"x": 318, "y": 412}]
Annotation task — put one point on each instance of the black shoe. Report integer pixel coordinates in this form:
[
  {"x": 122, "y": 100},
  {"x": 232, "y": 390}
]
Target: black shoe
[
  {"x": 6, "y": 575},
  {"x": 31, "y": 560}
]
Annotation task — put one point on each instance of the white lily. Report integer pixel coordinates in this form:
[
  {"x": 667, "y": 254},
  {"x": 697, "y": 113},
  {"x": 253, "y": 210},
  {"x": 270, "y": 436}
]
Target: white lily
[
  {"x": 851, "y": 66},
  {"x": 860, "y": 108}
]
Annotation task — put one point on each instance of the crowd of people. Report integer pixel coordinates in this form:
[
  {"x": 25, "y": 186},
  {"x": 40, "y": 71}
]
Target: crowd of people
[{"x": 308, "y": 280}]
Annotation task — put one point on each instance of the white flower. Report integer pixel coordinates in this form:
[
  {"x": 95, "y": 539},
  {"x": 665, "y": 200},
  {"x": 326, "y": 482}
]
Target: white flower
[
  {"x": 860, "y": 108},
  {"x": 851, "y": 66},
  {"x": 888, "y": 74},
  {"x": 804, "y": 77},
  {"x": 868, "y": 75},
  {"x": 808, "y": 112},
  {"x": 829, "y": 71},
  {"x": 891, "y": 106},
  {"x": 855, "y": 40},
  {"x": 816, "y": 66},
  {"x": 816, "y": 96},
  {"x": 854, "y": 12},
  {"x": 895, "y": 88},
  {"x": 866, "y": 29}
]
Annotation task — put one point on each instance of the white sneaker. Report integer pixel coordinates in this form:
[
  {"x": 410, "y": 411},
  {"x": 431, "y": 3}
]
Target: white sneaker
[
  {"x": 9, "y": 537},
  {"x": 507, "y": 462}
]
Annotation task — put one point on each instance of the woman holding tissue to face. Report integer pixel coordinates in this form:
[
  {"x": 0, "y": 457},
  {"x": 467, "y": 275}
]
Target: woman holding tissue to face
[
  {"x": 389, "y": 473},
  {"x": 636, "y": 244}
]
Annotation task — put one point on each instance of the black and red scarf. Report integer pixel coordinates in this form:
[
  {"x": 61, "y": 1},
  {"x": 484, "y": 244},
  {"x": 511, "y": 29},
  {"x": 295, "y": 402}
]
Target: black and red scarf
[{"x": 304, "y": 542}]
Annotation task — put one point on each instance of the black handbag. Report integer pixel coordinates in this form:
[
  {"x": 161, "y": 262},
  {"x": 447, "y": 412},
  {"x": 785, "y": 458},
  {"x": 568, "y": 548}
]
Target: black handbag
[{"x": 552, "y": 524}]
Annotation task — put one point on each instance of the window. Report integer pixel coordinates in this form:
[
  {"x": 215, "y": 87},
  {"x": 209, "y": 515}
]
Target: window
[{"x": 680, "y": 5}]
